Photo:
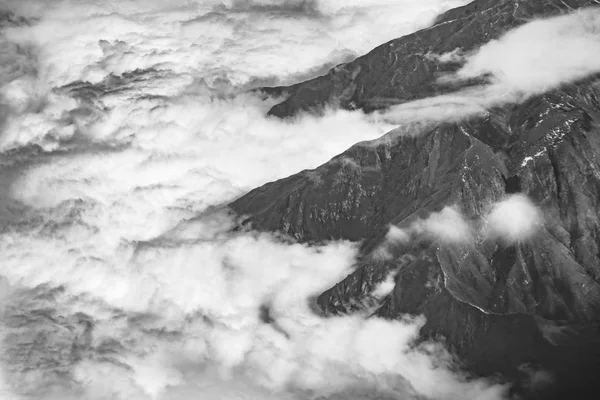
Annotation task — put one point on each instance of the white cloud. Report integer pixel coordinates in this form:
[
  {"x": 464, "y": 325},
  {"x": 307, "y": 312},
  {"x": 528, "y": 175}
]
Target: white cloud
[
  {"x": 456, "y": 55},
  {"x": 541, "y": 54},
  {"x": 386, "y": 287},
  {"x": 397, "y": 235},
  {"x": 514, "y": 219},
  {"x": 451, "y": 107},
  {"x": 446, "y": 226},
  {"x": 176, "y": 281},
  {"x": 200, "y": 36}
]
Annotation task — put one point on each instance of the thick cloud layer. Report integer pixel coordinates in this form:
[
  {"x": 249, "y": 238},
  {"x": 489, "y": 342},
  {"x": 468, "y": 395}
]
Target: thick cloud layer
[{"x": 125, "y": 127}]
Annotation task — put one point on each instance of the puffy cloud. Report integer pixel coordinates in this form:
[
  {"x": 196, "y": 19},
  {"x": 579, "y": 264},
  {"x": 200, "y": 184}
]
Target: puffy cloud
[
  {"x": 397, "y": 235},
  {"x": 514, "y": 219},
  {"x": 447, "y": 226},
  {"x": 182, "y": 301},
  {"x": 335, "y": 353},
  {"x": 541, "y": 54},
  {"x": 203, "y": 36},
  {"x": 386, "y": 287},
  {"x": 177, "y": 45}
]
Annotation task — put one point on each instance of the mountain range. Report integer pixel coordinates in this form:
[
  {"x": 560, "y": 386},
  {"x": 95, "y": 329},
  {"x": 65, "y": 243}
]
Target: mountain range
[{"x": 526, "y": 310}]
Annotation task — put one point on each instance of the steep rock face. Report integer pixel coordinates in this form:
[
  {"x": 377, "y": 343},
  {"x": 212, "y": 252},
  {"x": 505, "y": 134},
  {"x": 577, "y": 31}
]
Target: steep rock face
[{"x": 502, "y": 306}]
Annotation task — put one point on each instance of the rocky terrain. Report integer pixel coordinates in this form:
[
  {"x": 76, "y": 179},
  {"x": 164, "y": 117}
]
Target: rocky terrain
[{"x": 503, "y": 307}]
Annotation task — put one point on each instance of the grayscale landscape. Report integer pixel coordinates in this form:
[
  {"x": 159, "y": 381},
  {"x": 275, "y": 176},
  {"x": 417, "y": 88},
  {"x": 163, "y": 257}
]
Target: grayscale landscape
[{"x": 299, "y": 199}]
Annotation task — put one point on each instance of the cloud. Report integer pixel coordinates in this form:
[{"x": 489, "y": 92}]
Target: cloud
[
  {"x": 514, "y": 219},
  {"x": 531, "y": 59},
  {"x": 182, "y": 301},
  {"x": 179, "y": 43},
  {"x": 386, "y": 287},
  {"x": 397, "y": 235},
  {"x": 454, "y": 56},
  {"x": 201, "y": 36},
  {"x": 452, "y": 107},
  {"x": 541, "y": 54},
  {"x": 446, "y": 226}
]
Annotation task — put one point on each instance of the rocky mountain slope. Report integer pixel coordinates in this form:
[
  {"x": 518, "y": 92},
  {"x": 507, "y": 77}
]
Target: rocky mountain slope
[{"x": 508, "y": 307}]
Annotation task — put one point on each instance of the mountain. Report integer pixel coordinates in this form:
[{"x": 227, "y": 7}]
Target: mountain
[{"x": 503, "y": 307}]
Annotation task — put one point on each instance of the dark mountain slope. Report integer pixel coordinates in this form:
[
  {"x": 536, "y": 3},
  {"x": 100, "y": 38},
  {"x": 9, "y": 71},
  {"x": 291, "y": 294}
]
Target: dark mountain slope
[
  {"x": 494, "y": 302},
  {"x": 500, "y": 306},
  {"x": 399, "y": 177}
]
